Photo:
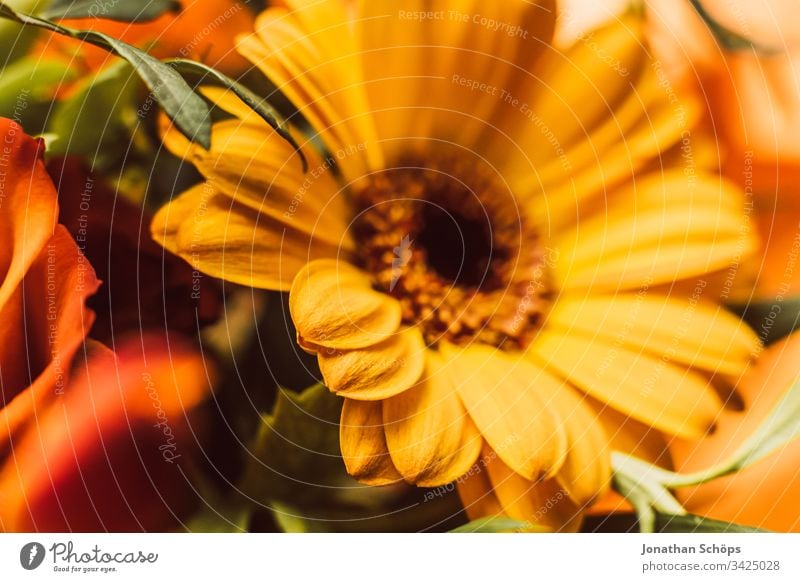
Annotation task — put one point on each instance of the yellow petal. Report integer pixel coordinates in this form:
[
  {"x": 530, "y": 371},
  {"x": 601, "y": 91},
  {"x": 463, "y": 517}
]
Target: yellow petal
[
  {"x": 631, "y": 436},
  {"x": 587, "y": 175},
  {"x": 172, "y": 217},
  {"x": 253, "y": 165},
  {"x": 650, "y": 236},
  {"x": 417, "y": 70},
  {"x": 224, "y": 239},
  {"x": 333, "y": 306},
  {"x": 578, "y": 89},
  {"x": 227, "y": 100},
  {"x": 542, "y": 503},
  {"x": 586, "y": 472},
  {"x": 659, "y": 394},
  {"x": 363, "y": 443},
  {"x": 309, "y": 52},
  {"x": 566, "y": 124},
  {"x": 431, "y": 439},
  {"x": 377, "y": 371},
  {"x": 498, "y": 391},
  {"x": 476, "y": 493},
  {"x": 692, "y": 333}
]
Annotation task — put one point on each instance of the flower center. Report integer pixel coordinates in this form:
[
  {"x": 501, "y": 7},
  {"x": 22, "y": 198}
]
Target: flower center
[
  {"x": 458, "y": 246},
  {"x": 448, "y": 240}
]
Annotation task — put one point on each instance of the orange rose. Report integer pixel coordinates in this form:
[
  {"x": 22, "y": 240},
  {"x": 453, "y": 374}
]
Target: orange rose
[
  {"x": 767, "y": 493},
  {"x": 44, "y": 283},
  {"x": 86, "y": 443},
  {"x": 112, "y": 455}
]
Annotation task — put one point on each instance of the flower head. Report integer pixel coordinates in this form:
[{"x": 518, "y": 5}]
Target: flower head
[{"x": 560, "y": 214}]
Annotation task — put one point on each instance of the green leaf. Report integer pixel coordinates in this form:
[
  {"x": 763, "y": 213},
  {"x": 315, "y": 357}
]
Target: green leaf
[
  {"x": 290, "y": 520},
  {"x": 296, "y": 456},
  {"x": 27, "y": 80},
  {"x": 493, "y": 524},
  {"x": 188, "y": 111},
  {"x": 648, "y": 487},
  {"x": 122, "y": 11},
  {"x": 260, "y": 106},
  {"x": 778, "y": 429},
  {"x": 394, "y": 509},
  {"x": 94, "y": 114},
  {"x": 220, "y": 519},
  {"x": 220, "y": 512},
  {"x": 666, "y": 523},
  {"x": 727, "y": 38},
  {"x": 16, "y": 40},
  {"x": 642, "y": 484}
]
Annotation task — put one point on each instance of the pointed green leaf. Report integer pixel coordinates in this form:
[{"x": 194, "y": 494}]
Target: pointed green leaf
[
  {"x": 188, "y": 111},
  {"x": 16, "y": 40},
  {"x": 664, "y": 523},
  {"x": 290, "y": 520},
  {"x": 410, "y": 512},
  {"x": 219, "y": 512},
  {"x": 30, "y": 79},
  {"x": 216, "y": 519},
  {"x": 647, "y": 487},
  {"x": 256, "y": 103},
  {"x": 641, "y": 484},
  {"x": 296, "y": 456},
  {"x": 93, "y": 115},
  {"x": 122, "y": 11},
  {"x": 781, "y": 426}
]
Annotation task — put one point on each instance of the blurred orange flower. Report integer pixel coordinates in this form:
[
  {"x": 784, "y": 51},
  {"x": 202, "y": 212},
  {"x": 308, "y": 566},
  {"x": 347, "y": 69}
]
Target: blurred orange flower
[
  {"x": 753, "y": 96},
  {"x": 753, "y": 100},
  {"x": 203, "y": 30},
  {"x": 81, "y": 448},
  {"x": 752, "y": 106},
  {"x": 108, "y": 456},
  {"x": 767, "y": 493},
  {"x": 44, "y": 283}
]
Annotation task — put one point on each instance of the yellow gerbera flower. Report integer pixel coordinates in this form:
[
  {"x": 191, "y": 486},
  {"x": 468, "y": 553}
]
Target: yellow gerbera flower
[{"x": 500, "y": 264}]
